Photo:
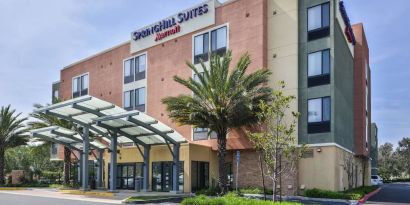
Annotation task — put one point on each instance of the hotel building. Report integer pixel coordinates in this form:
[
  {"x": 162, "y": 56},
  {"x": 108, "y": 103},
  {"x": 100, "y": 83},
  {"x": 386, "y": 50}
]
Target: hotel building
[{"x": 309, "y": 44}]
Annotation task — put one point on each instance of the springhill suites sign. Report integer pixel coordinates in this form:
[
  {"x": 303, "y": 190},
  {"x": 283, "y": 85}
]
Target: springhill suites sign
[{"x": 184, "y": 22}]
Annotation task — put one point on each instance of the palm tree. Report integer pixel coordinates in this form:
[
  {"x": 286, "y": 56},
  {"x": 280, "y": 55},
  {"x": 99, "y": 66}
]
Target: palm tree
[
  {"x": 44, "y": 120},
  {"x": 221, "y": 100},
  {"x": 11, "y": 134}
]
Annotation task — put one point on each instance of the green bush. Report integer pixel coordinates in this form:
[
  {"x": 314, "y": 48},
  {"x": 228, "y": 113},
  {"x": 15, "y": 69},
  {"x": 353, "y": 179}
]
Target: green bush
[
  {"x": 230, "y": 199},
  {"x": 354, "y": 194},
  {"x": 252, "y": 190},
  {"x": 212, "y": 191}
]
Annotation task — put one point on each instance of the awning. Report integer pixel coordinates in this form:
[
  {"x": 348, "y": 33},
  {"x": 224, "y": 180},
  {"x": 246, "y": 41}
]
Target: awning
[{"x": 104, "y": 118}]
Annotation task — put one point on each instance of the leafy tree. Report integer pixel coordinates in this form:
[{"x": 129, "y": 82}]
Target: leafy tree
[
  {"x": 11, "y": 134},
  {"x": 276, "y": 138},
  {"x": 44, "y": 120},
  {"x": 403, "y": 155},
  {"x": 221, "y": 100},
  {"x": 389, "y": 165}
]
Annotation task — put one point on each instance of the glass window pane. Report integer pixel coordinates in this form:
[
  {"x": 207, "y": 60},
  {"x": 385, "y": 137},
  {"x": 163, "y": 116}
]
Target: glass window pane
[
  {"x": 84, "y": 82},
  {"x": 213, "y": 40},
  {"x": 127, "y": 67},
  {"x": 314, "y": 17},
  {"x": 127, "y": 99},
  {"x": 326, "y": 61},
  {"x": 206, "y": 43},
  {"x": 141, "y": 96},
  {"x": 75, "y": 85},
  {"x": 326, "y": 109},
  {"x": 315, "y": 110},
  {"x": 221, "y": 38},
  {"x": 199, "y": 44},
  {"x": 315, "y": 63},
  {"x": 141, "y": 63},
  {"x": 326, "y": 15}
]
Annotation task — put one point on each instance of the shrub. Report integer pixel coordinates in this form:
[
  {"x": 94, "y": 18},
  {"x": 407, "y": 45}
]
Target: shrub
[
  {"x": 212, "y": 191},
  {"x": 252, "y": 190},
  {"x": 354, "y": 194},
  {"x": 230, "y": 199}
]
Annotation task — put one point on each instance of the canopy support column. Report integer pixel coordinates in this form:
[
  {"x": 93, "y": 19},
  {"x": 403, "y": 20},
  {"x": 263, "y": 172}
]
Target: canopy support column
[
  {"x": 113, "y": 163},
  {"x": 175, "y": 169},
  {"x": 145, "y": 172},
  {"x": 100, "y": 169},
  {"x": 80, "y": 167},
  {"x": 86, "y": 150}
]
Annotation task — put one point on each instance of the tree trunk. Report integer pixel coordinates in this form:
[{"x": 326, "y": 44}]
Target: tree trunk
[
  {"x": 2, "y": 165},
  {"x": 221, "y": 161},
  {"x": 263, "y": 176},
  {"x": 67, "y": 162}
]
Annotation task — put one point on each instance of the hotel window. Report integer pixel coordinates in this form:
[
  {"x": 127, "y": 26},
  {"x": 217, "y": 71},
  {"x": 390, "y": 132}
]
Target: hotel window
[
  {"x": 217, "y": 44},
  {"x": 129, "y": 71},
  {"x": 319, "y": 115},
  {"x": 80, "y": 86},
  {"x": 201, "y": 44},
  {"x": 319, "y": 21},
  {"x": 203, "y": 134},
  {"x": 128, "y": 102},
  {"x": 218, "y": 41},
  {"x": 134, "y": 68},
  {"x": 319, "y": 68},
  {"x": 140, "y": 65},
  {"x": 140, "y": 99}
]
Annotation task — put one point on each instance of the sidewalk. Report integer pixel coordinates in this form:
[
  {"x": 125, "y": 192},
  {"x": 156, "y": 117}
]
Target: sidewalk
[{"x": 54, "y": 193}]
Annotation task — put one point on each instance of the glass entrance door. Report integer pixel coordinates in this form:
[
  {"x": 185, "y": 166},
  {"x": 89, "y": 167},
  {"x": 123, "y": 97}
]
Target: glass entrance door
[
  {"x": 162, "y": 176},
  {"x": 126, "y": 175}
]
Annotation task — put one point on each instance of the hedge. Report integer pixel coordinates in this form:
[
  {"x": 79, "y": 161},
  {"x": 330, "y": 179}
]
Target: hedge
[
  {"x": 230, "y": 199},
  {"x": 354, "y": 194}
]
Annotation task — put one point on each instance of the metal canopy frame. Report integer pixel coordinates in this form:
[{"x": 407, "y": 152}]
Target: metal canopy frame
[{"x": 115, "y": 125}]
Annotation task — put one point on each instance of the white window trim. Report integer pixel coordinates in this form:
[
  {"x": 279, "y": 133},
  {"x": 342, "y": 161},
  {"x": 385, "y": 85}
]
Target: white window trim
[
  {"x": 72, "y": 80},
  {"x": 209, "y": 42},
  {"x": 209, "y": 47},
  {"x": 146, "y": 76}
]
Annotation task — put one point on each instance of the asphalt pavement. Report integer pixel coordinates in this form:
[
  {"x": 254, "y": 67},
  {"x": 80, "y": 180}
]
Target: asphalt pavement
[
  {"x": 13, "y": 199},
  {"x": 392, "y": 194}
]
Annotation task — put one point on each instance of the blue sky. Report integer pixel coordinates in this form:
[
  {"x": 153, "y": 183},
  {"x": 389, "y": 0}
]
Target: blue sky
[{"x": 39, "y": 37}]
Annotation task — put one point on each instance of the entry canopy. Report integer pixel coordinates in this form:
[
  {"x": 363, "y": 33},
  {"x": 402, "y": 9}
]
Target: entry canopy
[
  {"x": 64, "y": 136},
  {"x": 105, "y": 119}
]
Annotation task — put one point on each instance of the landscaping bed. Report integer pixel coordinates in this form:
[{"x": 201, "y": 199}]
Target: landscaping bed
[
  {"x": 153, "y": 199},
  {"x": 354, "y": 194},
  {"x": 230, "y": 199}
]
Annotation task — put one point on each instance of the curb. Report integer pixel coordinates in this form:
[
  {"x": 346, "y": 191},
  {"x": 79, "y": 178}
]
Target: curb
[
  {"x": 87, "y": 193},
  {"x": 367, "y": 196},
  {"x": 12, "y": 188}
]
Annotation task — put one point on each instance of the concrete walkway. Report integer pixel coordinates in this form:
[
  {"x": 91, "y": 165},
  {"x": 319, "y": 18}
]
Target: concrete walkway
[{"x": 55, "y": 194}]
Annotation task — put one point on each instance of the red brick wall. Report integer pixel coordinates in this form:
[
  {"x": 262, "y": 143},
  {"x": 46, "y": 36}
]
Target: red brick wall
[
  {"x": 247, "y": 33},
  {"x": 361, "y": 56}
]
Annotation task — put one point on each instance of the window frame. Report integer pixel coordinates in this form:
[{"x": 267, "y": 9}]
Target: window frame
[
  {"x": 323, "y": 126},
  {"x": 321, "y": 16},
  {"x": 322, "y": 31},
  {"x": 79, "y": 85},
  {"x": 322, "y": 78},
  {"x": 134, "y": 67},
  {"x": 209, "y": 41},
  {"x": 136, "y": 106}
]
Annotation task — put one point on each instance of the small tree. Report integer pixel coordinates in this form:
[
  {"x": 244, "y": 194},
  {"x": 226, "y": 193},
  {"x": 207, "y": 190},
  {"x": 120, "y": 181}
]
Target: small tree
[
  {"x": 11, "y": 134},
  {"x": 349, "y": 165},
  {"x": 276, "y": 140}
]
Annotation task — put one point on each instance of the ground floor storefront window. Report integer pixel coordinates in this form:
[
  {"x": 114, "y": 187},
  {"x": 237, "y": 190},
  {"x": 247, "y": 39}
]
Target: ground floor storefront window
[
  {"x": 162, "y": 176},
  {"x": 200, "y": 175},
  {"x": 127, "y": 173}
]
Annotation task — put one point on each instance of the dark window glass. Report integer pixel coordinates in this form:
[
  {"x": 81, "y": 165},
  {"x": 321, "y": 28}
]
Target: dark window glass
[
  {"x": 128, "y": 100},
  {"x": 140, "y": 67},
  {"x": 319, "y": 68},
  {"x": 140, "y": 99},
  {"x": 80, "y": 86},
  {"x": 219, "y": 41},
  {"x": 319, "y": 115},
  {"x": 201, "y": 47},
  {"x": 199, "y": 175},
  {"x": 129, "y": 71},
  {"x": 318, "y": 21}
]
